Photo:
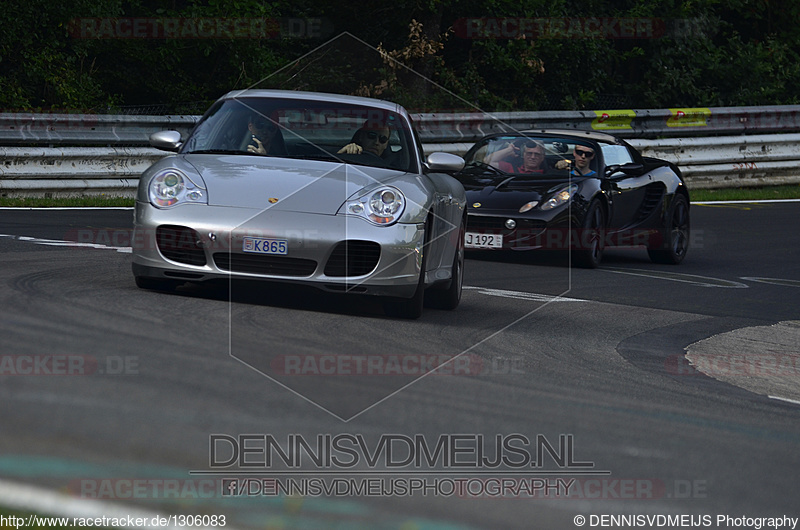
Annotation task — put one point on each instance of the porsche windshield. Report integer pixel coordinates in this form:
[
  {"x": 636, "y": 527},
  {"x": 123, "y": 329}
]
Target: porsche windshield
[{"x": 309, "y": 129}]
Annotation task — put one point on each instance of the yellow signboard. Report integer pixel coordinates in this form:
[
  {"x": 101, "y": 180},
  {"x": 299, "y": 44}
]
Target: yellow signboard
[
  {"x": 613, "y": 119},
  {"x": 688, "y": 117}
]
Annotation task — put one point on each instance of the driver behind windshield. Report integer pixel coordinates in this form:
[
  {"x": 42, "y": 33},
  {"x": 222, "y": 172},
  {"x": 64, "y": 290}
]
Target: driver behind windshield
[
  {"x": 371, "y": 138},
  {"x": 531, "y": 157},
  {"x": 265, "y": 137}
]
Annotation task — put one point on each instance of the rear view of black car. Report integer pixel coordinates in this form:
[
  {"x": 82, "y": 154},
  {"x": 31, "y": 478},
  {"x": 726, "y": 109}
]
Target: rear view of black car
[{"x": 576, "y": 191}]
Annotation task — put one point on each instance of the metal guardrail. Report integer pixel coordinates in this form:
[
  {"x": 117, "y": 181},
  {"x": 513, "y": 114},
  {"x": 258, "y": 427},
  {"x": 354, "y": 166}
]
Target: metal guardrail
[
  {"x": 42, "y": 157},
  {"x": 53, "y": 130},
  {"x": 718, "y": 162},
  {"x": 67, "y": 171},
  {"x": 68, "y": 130},
  {"x": 726, "y": 162},
  {"x": 659, "y": 123}
]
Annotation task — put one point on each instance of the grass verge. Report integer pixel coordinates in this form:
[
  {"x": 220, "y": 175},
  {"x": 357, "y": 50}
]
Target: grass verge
[
  {"x": 82, "y": 202},
  {"x": 790, "y": 191}
]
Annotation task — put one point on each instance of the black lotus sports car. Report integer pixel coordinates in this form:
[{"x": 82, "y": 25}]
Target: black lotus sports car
[{"x": 573, "y": 190}]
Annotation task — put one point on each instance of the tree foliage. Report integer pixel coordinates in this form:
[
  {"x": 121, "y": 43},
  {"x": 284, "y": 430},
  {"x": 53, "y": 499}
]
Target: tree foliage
[{"x": 495, "y": 55}]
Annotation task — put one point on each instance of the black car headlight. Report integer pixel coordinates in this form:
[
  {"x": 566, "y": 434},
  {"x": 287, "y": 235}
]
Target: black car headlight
[
  {"x": 383, "y": 206},
  {"x": 560, "y": 197},
  {"x": 169, "y": 187}
]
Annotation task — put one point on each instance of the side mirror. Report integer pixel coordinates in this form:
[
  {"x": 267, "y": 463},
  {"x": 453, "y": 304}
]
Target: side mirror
[
  {"x": 444, "y": 162},
  {"x": 631, "y": 169},
  {"x": 166, "y": 140}
]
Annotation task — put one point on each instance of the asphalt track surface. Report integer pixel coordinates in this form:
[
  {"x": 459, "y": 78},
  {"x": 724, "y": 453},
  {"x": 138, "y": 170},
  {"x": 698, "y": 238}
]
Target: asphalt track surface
[{"x": 106, "y": 387}]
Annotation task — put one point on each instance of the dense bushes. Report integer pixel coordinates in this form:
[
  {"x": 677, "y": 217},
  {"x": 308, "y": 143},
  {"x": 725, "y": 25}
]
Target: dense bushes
[{"x": 100, "y": 55}]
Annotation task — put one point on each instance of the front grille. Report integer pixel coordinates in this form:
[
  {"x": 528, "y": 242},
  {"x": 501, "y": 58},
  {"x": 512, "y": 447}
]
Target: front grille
[
  {"x": 264, "y": 264},
  {"x": 181, "y": 244},
  {"x": 353, "y": 258},
  {"x": 497, "y": 225}
]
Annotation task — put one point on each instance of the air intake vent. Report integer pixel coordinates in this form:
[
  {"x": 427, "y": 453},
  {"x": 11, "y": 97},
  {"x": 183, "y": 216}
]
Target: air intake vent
[
  {"x": 181, "y": 244},
  {"x": 497, "y": 224},
  {"x": 261, "y": 264},
  {"x": 651, "y": 201},
  {"x": 353, "y": 258}
]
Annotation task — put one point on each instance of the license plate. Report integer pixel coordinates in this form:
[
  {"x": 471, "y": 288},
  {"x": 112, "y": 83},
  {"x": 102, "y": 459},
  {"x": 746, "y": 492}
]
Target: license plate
[
  {"x": 473, "y": 240},
  {"x": 259, "y": 245}
]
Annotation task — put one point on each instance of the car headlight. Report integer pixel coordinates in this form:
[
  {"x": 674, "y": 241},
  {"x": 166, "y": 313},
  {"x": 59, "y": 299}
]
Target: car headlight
[
  {"x": 383, "y": 206},
  {"x": 170, "y": 187},
  {"x": 560, "y": 197}
]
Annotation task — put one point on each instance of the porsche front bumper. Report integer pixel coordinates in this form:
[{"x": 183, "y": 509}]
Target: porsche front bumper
[{"x": 335, "y": 253}]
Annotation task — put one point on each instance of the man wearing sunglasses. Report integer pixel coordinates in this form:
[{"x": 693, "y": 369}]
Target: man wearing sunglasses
[
  {"x": 583, "y": 158},
  {"x": 368, "y": 140}
]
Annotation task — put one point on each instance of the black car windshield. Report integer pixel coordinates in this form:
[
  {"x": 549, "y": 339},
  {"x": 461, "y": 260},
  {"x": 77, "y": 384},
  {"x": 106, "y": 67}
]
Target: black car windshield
[
  {"x": 305, "y": 129},
  {"x": 532, "y": 157}
]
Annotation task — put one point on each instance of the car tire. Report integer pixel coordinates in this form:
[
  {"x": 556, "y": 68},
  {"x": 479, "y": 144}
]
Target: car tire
[
  {"x": 411, "y": 308},
  {"x": 449, "y": 297},
  {"x": 588, "y": 248},
  {"x": 675, "y": 235},
  {"x": 156, "y": 284}
]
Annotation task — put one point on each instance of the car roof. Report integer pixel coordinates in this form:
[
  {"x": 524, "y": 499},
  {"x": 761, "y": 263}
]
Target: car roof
[{"x": 316, "y": 96}]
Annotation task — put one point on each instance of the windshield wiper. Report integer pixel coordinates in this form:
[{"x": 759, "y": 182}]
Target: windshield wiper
[
  {"x": 317, "y": 156},
  {"x": 217, "y": 152},
  {"x": 506, "y": 181}
]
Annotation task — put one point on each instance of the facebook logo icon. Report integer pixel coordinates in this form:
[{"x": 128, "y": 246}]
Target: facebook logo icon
[{"x": 230, "y": 486}]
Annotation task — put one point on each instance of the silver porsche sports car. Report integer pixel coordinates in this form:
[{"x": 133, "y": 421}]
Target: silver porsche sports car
[{"x": 297, "y": 187}]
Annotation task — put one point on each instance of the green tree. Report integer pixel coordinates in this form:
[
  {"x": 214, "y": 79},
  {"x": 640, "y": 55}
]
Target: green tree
[{"x": 699, "y": 53}]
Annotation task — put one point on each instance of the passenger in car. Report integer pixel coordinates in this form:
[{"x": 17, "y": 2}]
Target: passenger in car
[{"x": 582, "y": 162}]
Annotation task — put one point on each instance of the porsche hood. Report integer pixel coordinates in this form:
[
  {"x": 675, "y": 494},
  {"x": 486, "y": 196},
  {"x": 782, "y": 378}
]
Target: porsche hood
[{"x": 284, "y": 184}]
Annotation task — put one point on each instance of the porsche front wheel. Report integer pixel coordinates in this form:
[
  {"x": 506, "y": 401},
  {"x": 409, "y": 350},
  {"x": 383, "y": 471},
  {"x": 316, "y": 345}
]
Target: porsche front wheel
[
  {"x": 449, "y": 297},
  {"x": 411, "y": 308}
]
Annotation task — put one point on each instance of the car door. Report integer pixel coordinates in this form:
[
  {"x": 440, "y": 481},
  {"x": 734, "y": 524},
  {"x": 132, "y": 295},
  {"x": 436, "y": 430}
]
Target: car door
[{"x": 625, "y": 191}]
